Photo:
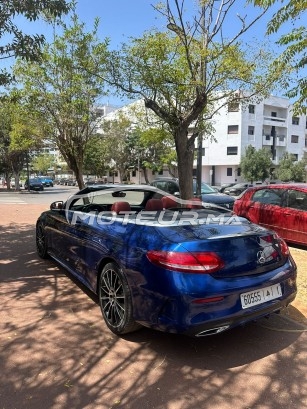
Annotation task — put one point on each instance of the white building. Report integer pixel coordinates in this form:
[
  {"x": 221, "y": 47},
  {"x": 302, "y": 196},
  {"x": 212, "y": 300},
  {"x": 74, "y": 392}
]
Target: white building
[{"x": 267, "y": 124}]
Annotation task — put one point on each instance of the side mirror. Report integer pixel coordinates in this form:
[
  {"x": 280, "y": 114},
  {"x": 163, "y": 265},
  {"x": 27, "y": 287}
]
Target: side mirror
[
  {"x": 177, "y": 194},
  {"x": 57, "y": 205}
]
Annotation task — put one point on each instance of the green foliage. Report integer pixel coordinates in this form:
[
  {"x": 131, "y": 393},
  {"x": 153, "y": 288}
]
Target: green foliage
[
  {"x": 96, "y": 156},
  {"x": 62, "y": 95},
  {"x": 288, "y": 170},
  {"x": 294, "y": 43},
  {"x": 186, "y": 74},
  {"x": 115, "y": 136},
  {"x": 17, "y": 135},
  {"x": 255, "y": 165},
  {"x": 42, "y": 163},
  {"x": 19, "y": 44}
]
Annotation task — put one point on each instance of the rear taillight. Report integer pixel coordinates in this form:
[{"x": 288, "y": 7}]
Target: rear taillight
[
  {"x": 283, "y": 246},
  {"x": 194, "y": 262}
]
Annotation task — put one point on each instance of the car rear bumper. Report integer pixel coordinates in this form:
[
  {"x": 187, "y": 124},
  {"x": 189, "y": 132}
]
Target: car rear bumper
[
  {"x": 215, "y": 327},
  {"x": 196, "y": 316}
]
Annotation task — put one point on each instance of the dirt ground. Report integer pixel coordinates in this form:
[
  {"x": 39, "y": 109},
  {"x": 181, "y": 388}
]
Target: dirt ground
[{"x": 57, "y": 353}]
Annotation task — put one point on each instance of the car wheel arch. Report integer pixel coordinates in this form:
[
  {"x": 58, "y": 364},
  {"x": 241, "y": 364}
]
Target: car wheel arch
[
  {"x": 101, "y": 266},
  {"x": 119, "y": 320}
]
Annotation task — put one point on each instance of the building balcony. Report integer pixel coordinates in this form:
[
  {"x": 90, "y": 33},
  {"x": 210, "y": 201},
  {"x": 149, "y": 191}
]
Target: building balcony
[
  {"x": 281, "y": 140},
  {"x": 267, "y": 140},
  {"x": 274, "y": 121}
]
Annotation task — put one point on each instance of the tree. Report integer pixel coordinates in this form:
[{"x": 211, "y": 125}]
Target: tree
[
  {"x": 155, "y": 149},
  {"x": 5, "y": 128},
  {"x": 17, "y": 136},
  {"x": 96, "y": 156},
  {"x": 42, "y": 162},
  {"x": 63, "y": 95},
  {"x": 255, "y": 165},
  {"x": 115, "y": 134},
  {"x": 188, "y": 73},
  {"x": 288, "y": 170},
  {"x": 19, "y": 44},
  {"x": 294, "y": 55}
]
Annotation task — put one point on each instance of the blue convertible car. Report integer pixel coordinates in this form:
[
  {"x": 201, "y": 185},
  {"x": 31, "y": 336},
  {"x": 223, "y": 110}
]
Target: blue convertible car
[{"x": 160, "y": 262}]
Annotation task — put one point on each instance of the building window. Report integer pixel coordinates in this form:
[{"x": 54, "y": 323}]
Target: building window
[
  {"x": 232, "y": 150},
  {"x": 294, "y": 156},
  {"x": 267, "y": 137},
  {"x": 233, "y": 129},
  {"x": 294, "y": 138},
  {"x": 233, "y": 107},
  {"x": 251, "y": 130},
  {"x": 295, "y": 120},
  {"x": 251, "y": 109},
  {"x": 160, "y": 172},
  {"x": 239, "y": 171},
  {"x": 229, "y": 171},
  {"x": 133, "y": 173}
]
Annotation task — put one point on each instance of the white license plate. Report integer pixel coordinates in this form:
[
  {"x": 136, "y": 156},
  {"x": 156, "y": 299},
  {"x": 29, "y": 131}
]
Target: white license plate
[{"x": 260, "y": 296}]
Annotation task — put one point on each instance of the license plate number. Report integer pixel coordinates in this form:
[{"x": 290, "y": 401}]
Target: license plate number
[{"x": 260, "y": 296}]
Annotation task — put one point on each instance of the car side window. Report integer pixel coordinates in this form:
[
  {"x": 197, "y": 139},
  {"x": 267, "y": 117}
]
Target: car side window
[
  {"x": 297, "y": 200},
  {"x": 172, "y": 188},
  {"x": 161, "y": 185},
  {"x": 268, "y": 196}
]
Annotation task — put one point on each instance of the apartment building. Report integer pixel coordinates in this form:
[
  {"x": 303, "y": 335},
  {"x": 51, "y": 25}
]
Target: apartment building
[{"x": 268, "y": 124}]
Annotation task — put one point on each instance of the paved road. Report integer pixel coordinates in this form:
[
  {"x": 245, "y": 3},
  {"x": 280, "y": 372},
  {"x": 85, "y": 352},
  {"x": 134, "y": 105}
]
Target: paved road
[
  {"x": 56, "y": 352},
  {"x": 49, "y": 195}
]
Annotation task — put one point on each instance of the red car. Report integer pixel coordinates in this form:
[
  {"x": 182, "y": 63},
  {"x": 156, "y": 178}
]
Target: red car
[{"x": 282, "y": 208}]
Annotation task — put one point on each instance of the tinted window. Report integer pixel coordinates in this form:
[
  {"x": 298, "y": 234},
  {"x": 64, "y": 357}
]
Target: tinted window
[
  {"x": 268, "y": 196},
  {"x": 167, "y": 186},
  {"x": 297, "y": 200}
]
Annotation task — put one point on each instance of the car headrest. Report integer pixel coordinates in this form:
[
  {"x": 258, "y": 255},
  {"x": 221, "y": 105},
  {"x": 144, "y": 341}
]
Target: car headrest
[
  {"x": 154, "y": 204},
  {"x": 194, "y": 203},
  {"x": 168, "y": 202},
  {"x": 120, "y": 207}
]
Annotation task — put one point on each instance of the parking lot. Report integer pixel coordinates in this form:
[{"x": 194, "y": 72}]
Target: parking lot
[{"x": 56, "y": 351}]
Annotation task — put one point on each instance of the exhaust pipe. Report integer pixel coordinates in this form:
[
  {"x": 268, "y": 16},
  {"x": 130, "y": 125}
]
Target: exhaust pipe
[{"x": 212, "y": 331}]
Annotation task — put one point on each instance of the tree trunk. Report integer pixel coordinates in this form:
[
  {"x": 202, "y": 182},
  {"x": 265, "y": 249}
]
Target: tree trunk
[
  {"x": 185, "y": 157},
  {"x": 79, "y": 177},
  {"x": 145, "y": 175},
  {"x": 76, "y": 167}
]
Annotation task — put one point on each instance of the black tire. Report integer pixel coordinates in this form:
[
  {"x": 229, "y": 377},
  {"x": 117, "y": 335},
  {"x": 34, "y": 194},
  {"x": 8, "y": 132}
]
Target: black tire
[
  {"x": 115, "y": 300},
  {"x": 41, "y": 245}
]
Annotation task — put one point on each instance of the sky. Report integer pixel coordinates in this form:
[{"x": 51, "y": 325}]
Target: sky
[{"x": 122, "y": 19}]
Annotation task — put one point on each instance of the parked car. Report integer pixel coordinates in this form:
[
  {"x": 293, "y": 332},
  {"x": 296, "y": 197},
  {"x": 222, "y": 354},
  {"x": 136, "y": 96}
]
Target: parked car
[
  {"x": 226, "y": 185},
  {"x": 95, "y": 182},
  {"x": 208, "y": 194},
  {"x": 34, "y": 184},
  {"x": 282, "y": 208},
  {"x": 237, "y": 189},
  {"x": 180, "y": 270},
  {"x": 71, "y": 182},
  {"x": 46, "y": 181}
]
